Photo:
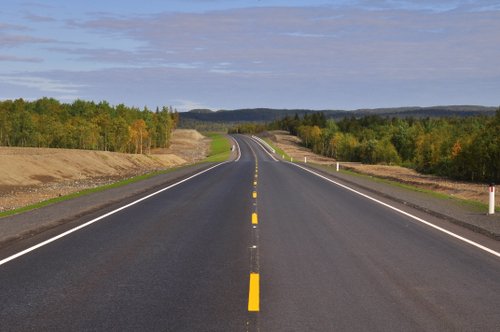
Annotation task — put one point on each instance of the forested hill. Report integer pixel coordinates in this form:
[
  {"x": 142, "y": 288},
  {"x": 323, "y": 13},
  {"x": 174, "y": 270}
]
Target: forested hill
[
  {"x": 269, "y": 114},
  {"x": 245, "y": 114}
]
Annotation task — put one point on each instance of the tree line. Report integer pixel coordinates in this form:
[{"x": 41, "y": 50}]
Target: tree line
[
  {"x": 466, "y": 148},
  {"x": 87, "y": 125}
]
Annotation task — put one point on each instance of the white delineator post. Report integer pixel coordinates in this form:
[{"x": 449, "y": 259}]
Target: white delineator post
[
  {"x": 305, "y": 160},
  {"x": 338, "y": 166},
  {"x": 491, "y": 209}
]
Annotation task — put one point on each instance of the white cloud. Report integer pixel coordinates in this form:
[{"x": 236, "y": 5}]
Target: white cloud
[
  {"x": 16, "y": 40},
  {"x": 315, "y": 41},
  {"x": 38, "y": 18},
  {"x": 222, "y": 71},
  {"x": 42, "y": 84},
  {"x": 13, "y": 58},
  {"x": 184, "y": 105},
  {"x": 290, "y": 56},
  {"x": 304, "y": 35},
  {"x": 67, "y": 98}
]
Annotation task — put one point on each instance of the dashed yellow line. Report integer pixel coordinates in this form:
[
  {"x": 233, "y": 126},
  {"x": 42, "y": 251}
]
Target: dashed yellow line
[
  {"x": 255, "y": 219},
  {"x": 254, "y": 287},
  {"x": 254, "y": 293}
]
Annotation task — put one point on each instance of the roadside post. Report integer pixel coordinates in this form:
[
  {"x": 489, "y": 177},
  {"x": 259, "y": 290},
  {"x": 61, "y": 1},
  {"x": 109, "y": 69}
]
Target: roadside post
[
  {"x": 491, "y": 209},
  {"x": 305, "y": 160},
  {"x": 338, "y": 166}
]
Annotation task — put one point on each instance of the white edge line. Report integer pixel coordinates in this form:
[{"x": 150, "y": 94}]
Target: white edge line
[
  {"x": 239, "y": 150},
  {"x": 41, "y": 244},
  {"x": 263, "y": 148},
  {"x": 475, "y": 244}
]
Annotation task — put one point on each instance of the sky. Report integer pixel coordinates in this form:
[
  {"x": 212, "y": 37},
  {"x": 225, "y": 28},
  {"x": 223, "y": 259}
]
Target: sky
[{"x": 228, "y": 54}]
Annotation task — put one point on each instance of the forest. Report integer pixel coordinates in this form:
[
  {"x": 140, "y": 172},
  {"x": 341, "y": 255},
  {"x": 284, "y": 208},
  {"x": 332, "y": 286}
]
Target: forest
[
  {"x": 466, "y": 148},
  {"x": 87, "y": 125}
]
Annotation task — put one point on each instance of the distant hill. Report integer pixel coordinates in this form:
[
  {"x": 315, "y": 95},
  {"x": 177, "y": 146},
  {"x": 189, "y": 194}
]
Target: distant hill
[
  {"x": 432, "y": 111},
  {"x": 269, "y": 114},
  {"x": 201, "y": 111},
  {"x": 244, "y": 115}
]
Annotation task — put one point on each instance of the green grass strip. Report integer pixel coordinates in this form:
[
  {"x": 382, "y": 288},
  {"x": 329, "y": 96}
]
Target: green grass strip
[{"x": 220, "y": 148}]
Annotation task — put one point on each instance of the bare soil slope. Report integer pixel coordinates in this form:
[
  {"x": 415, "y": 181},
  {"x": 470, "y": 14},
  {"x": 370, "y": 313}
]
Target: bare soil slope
[
  {"x": 293, "y": 147},
  {"x": 465, "y": 190},
  {"x": 29, "y": 175}
]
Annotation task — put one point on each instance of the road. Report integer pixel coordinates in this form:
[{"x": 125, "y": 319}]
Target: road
[{"x": 252, "y": 245}]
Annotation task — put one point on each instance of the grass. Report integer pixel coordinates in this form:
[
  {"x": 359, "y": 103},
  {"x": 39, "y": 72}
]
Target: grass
[
  {"x": 220, "y": 148},
  {"x": 84, "y": 192},
  {"x": 477, "y": 206},
  {"x": 278, "y": 150}
]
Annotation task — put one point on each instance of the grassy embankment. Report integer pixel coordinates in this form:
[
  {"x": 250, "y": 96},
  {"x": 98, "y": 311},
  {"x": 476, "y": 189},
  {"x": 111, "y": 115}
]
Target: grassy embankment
[
  {"x": 280, "y": 152},
  {"x": 219, "y": 152},
  {"x": 220, "y": 148}
]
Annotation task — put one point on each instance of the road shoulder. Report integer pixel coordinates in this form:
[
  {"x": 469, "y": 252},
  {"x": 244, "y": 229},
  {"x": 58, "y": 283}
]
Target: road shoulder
[{"x": 446, "y": 209}]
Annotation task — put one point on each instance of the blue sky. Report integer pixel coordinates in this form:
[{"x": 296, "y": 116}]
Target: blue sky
[{"x": 223, "y": 54}]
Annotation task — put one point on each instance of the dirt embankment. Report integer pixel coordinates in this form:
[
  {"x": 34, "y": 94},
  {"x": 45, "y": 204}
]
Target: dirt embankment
[
  {"x": 293, "y": 147},
  {"x": 30, "y": 175},
  {"x": 465, "y": 190}
]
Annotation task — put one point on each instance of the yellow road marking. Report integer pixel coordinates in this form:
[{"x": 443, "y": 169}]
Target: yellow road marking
[
  {"x": 254, "y": 219},
  {"x": 254, "y": 293},
  {"x": 255, "y": 183},
  {"x": 254, "y": 194}
]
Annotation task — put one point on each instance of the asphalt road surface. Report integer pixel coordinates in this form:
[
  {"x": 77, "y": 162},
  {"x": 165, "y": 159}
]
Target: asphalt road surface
[{"x": 252, "y": 245}]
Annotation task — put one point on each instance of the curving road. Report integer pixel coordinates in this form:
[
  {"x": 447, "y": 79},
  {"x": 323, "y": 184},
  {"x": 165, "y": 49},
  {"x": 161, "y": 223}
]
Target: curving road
[{"x": 255, "y": 244}]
